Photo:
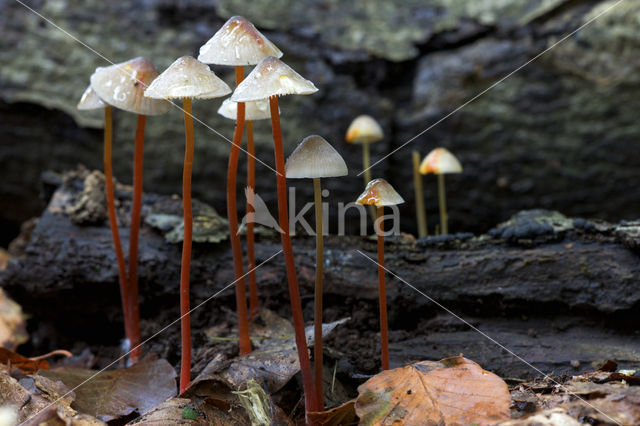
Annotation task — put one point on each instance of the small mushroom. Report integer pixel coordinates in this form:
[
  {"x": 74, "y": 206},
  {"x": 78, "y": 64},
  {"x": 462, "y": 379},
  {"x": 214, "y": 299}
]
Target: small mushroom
[
  {"x": 268, "y": 80},
  {"x": 421, "y": 214},
  {"x": 122, "y": 86},
  {"x": 89, "y": 101},
  {"x": 237, "y": 43},
  {"x": 187, "y": 79},
  {"x": 380, "y": 193},
  {"x": 440, "y": 162},
  {"x": 257, "y": 110},
  {"x": 364, "y": 130},
  {"x": 315, "y": 158}
]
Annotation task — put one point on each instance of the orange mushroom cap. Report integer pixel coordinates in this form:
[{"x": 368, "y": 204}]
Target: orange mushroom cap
[
  {"x": 440, "y": 161},
  {"x": 379, "y": 193},
  {"x": 364, "y": 129}
]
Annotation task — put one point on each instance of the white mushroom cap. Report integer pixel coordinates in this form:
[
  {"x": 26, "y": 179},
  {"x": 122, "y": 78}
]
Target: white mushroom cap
[
  {"x": 187, "y": 77},
  {"x": 90, "y": 100},
  {"x": 254, "y": 110},
  {"x": 315, "y": 158},
  {"x": 123, "y": 85},
  {"x": 272, "y": 77},
  {"x": 364, "y": 129},
  {"x": 237, "y": 43},
  {"x": 440, "y": 161},
  {"x": 379, "y": 193}
]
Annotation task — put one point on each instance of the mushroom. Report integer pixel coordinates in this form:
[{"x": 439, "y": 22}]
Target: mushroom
[
  {"x": 421, "y": 214},
  {"x": 186, "y": 79},
  {"x": 380, "y": 193},
  {"x": 440, "y": 162},
  {"x": 122, "y": 86},
  {"x": 89, "y": 101},
  {"x": 258, "y": 110},
  {"x": 237, "y": 43},
  {"x": 268, "y": 80},
  {"x": 315, "y": 158}
]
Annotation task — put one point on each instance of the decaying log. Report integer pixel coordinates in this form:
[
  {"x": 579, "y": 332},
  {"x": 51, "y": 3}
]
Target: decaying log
[{"x": 556, "y": 291}]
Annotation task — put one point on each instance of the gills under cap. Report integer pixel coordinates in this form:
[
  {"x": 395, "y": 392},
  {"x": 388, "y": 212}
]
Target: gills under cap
[
  {"x": 123, "y": 85},
  {"x": 379, "y": 193},
  {"x": 315, "y": 158},
  {"x": 237, "y": 43},
  {"x": 272, "y": 77},
  {"x": 187, "y": 77},
  {"x": 254, "y": 110},
  {"x": 440, "y": 161},
  {"x": 90, "y": 100},
  {"x": 364, "y": 129}
]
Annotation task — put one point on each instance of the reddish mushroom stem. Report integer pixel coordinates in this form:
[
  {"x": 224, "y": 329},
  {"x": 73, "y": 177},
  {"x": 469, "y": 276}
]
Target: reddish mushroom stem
[
  {"x": 310, "y": 395},
  {"x": 113, "y": 220},
  {"x": 232, "y": 214},
  {"x": 251, "y": 183},
  {"x": 185, "y": 319},
  {"x": 138, "y": 156},
  {"x": 382, "y": 291}
]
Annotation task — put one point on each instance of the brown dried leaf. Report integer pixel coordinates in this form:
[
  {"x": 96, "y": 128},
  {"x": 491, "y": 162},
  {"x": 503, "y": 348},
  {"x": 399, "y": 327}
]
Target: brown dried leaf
[
  {"x": 344, "y": 414},
  {"x": 175, "y": 411},
  {"x": 116, "y": 393},
  {"x": 452, "y": 391},
  {"x": 24, "y": 364}
]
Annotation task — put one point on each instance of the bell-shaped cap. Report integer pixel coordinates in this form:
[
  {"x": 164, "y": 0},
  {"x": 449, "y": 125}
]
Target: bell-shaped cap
[
  {"x": 255, "y": 110},
  {"x": 315, "y": 158},
  {"x": 364, "y": 129},
  {"x": 237, "y": 43},
  {"x": 123, "y": 85},
  {"x": 90, "y": 100},
  {"x": 440, "y": 161},
  {"x": 272, "y": 77},
  {"x": 379, "y": 193},
  {"x": 187, "y": 77}
]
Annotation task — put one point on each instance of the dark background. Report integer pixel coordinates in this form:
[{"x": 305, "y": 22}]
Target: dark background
[{"x": 562, "y": 133}]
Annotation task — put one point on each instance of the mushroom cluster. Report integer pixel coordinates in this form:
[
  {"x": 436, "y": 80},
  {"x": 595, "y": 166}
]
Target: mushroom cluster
[{"x": 136, "y": 86}]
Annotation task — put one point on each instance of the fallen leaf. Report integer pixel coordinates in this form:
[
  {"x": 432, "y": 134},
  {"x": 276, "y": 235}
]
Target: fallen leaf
[
  {"x": 552, "y": 417},
  {"x": 112, "y": 394},
  {"x": 452, "y": 391},
  {"x": 13, "y": 331},
  {"x": 175, "y": 411},
  {"x": 344, "y": 414},
  {"x": 24, "y": 364},
  {"x": 272, "y": 364}
]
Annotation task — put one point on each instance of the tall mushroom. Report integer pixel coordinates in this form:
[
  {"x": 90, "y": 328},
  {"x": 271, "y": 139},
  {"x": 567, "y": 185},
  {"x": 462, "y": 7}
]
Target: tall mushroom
[
  {"x": 421, "y": 214},
  {"x": 440, "y": 162},
  {"x": 122, "y": 86},
  {"x": 187, "y": 79},
  {"x": 315, "y": 158},
  {"x": 380, "y": 193},
  {"x": 258, "y": 110},
  {"x": 268, "y": 80},
  {"x": 89, "y": 101},
  {"x": 237, "y": 43}
]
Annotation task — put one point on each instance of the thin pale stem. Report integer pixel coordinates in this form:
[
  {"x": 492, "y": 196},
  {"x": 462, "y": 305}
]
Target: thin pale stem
[
  {"x": 232, "y": 214},
  {"x": 292, "y": 279},
  {"x": 185, "y": 321},
  {"x": 442, "y": 201},
  {"x": 317, "y": 307},
  {"x": 113, "y": 220},
  {"x": 366, "y": 161},
  {"x": 251, "y": 183},
  {"x": 382, "y": 292},
  {"x": 136, "y": 207},
  {"x": 421, "y": 214}
]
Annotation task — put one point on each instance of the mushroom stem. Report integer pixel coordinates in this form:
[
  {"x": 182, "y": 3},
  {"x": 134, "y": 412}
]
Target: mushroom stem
[
  {"x": 317, "y": 311},
  {"x": 419, "y": 196},
  {"x": 232, "y": 215},
  {"x": 138, "y": 156},
  {"x": 185, "y": 319},
  {"x": 251, "y": 182},
  {"x": 382, "y": 291},
  {"x": 294, "y": 292},
  {"x": 442, "y": 201},
  {"x": 113, "y": 220},
  {"x": 366, "y": 161}
]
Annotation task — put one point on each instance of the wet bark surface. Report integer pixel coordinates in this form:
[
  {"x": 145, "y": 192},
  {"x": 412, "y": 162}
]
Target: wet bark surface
[{"x": 557, "y": 292}]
